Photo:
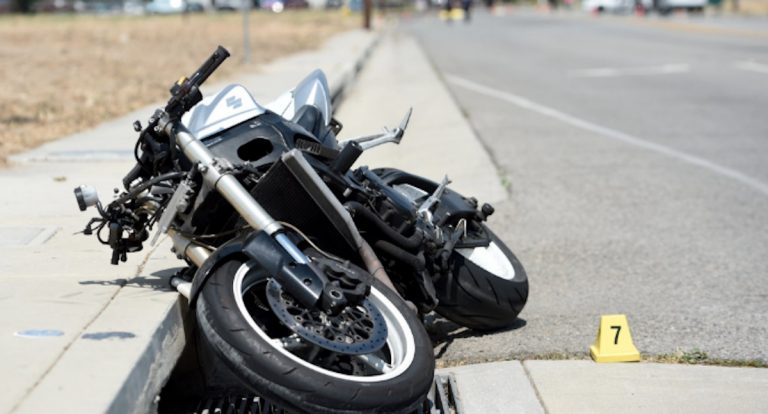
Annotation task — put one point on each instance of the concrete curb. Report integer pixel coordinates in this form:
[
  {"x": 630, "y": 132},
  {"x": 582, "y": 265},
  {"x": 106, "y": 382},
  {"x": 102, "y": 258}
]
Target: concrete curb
[{"x": 346, "y": 81}]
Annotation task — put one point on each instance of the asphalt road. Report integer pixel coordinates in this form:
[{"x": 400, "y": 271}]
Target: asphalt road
[{"x": 636, "y": 153}]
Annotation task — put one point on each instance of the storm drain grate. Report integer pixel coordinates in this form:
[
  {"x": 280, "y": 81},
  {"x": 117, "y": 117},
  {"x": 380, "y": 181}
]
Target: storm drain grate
[
  {"x": 444, "y": 396},
  {"x": 238, "y": 405},
  {"x": 442, "y": 399}
]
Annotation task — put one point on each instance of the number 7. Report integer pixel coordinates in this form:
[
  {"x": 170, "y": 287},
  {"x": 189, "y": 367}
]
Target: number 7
[{"x": 616, "y": 338}]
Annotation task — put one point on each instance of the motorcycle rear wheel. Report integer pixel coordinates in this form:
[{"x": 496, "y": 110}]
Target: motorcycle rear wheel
[
  {"x": 486, "y": 288},
  {"x": 246, "y": 337}
]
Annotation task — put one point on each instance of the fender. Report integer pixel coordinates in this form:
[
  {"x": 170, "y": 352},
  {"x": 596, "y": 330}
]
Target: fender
[
  {"x": 231, "y": 248},
  {"x": 304, "y": 281}
]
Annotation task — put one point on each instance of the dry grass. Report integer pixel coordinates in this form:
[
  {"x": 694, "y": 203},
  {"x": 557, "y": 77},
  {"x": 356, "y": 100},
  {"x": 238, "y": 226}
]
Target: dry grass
[
  {"x": 690, "y": 357},
  {"x": 753, "y": 7},
  {"x": 61, "y": 74}
]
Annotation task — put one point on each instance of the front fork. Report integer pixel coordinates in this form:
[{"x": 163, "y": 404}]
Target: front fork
[{"x": 290, "y": 267}]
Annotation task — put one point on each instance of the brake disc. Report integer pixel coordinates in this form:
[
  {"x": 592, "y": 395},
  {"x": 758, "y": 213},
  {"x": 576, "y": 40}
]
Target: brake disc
[{"x": 359, "y": 329}]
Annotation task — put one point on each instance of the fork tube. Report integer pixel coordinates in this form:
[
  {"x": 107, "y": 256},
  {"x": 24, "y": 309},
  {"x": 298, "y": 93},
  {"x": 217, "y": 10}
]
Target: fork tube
[{"x": 227, "y": 185}]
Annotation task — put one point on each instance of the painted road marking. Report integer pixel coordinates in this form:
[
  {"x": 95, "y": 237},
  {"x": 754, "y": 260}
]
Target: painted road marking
[
  {"x": 752, "y": 66},
  {"x": 667, "y": 69},
  {"x": 608, "y": 132}
]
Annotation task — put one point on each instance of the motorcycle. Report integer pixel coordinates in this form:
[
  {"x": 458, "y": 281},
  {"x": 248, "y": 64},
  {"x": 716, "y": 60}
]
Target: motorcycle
[{"x": 308, "y": 278}]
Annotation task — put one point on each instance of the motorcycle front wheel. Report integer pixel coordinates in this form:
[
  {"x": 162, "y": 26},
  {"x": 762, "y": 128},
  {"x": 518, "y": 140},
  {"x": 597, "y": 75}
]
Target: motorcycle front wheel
[
  {"x": 235, "y": 319},
  {"x": 486, "y": 287}
]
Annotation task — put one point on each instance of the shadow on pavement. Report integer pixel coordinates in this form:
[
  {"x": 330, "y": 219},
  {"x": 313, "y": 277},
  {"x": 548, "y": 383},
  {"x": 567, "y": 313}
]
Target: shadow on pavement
[
  {"x": 443, "y": 332},
  {"x": 156, "y": 281}
]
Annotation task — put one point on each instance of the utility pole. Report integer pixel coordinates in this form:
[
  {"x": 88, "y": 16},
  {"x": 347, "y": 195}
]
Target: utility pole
[
  {"x": 246, "y": 35},
  {"x": 367, "y": 9}
]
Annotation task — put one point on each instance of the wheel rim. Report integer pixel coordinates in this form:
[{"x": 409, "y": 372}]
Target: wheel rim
[
  {"x": 491, "y": 259},
  {"x": 396, "y": 356}
]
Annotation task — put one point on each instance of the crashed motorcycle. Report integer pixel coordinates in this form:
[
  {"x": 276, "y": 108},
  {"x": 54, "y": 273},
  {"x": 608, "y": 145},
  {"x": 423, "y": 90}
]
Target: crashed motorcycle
[{"x": 308, "y": 278}]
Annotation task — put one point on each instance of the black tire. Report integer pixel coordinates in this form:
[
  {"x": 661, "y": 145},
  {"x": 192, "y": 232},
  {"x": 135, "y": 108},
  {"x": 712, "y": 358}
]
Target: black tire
[
  {"x": 478, "y": 299},
  {"x": 270, "y": 372}
]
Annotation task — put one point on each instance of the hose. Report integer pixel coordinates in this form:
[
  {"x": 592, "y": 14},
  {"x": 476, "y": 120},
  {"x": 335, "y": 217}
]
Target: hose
[
  {"x": 413, "y": 261},
  {"x": 409, "y": 243}
]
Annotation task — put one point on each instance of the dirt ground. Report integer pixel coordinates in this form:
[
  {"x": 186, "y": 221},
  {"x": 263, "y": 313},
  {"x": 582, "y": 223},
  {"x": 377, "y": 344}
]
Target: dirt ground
[
  {"x": 749, "y": 7},
  {"x": 61, "y": 74}
]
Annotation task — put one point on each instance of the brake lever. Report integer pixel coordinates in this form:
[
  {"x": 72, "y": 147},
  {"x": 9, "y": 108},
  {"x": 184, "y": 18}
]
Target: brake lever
[
  {"x": 425, "y": 209},
  {"x": 388, "y": 136}
]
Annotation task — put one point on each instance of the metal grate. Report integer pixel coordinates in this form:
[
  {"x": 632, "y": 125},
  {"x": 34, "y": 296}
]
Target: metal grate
[
  {"x": 237, "y": 405},
  {"x": 443, "y": 398}
]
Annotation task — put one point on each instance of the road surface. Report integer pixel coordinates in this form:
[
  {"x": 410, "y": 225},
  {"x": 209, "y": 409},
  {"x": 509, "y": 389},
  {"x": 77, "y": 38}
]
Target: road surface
[{"x": 636, "y": 156}]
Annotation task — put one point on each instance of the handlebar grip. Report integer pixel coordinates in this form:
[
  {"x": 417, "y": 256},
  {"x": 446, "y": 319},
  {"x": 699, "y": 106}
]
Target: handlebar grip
[{"x": 214, "y": 61}]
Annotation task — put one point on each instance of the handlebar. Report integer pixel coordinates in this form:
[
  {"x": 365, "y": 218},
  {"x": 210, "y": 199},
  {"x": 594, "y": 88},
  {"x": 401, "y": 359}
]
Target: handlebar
[
  {"x": 185, "y": 93},
  {"x": 210, "y": 65}
]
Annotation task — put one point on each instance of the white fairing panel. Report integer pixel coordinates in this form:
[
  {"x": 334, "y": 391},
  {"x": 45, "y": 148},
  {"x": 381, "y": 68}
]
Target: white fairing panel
[
  {"x": 313, "y": 90},
  {"x": 231, "y": 106}
]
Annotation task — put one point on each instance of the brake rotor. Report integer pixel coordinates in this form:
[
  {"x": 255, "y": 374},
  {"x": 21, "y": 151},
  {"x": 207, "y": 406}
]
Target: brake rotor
[{"x": 356, "y": 330}]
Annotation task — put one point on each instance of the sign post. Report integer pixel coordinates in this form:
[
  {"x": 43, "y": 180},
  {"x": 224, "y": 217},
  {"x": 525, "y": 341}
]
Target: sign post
[{"x": 246, "y": 35}]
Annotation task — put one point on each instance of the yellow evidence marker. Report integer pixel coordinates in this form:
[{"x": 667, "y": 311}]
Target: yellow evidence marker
[{"x": 614, "y": 342}]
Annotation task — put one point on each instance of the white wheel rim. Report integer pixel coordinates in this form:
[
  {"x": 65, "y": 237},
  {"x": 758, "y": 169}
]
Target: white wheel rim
[
  {"x": 492, "y": 259},
  {"x": 400, "y": 339}
]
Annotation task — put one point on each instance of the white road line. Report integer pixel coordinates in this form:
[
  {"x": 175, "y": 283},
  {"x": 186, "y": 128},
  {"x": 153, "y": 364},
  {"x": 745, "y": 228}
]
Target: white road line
[
  {"x": 667, "y": 69},
  {"x": 752, "y": 66},
  {"x": 608, "y": 132}
]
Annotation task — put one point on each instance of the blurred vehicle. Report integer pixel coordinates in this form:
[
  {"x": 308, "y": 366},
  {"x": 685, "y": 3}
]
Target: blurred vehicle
[
  {"x": 172, "y": 7},
  {"x": 333, "y": 4},
  {"x": 194, "y": 7},
  {"x": 625, "y": 6},
  {"x": 278, "y": 6},
  {"x": 609, "y": 6},
  {"x": 355, "y": 5},
  {"x": 53, "y": 6},
  {"x": 232, "y": 5},
  {"x": 228, "y": 5},
  {"x": 133, "y": 7},
  {"x": 165, "y": 6},
  {"x": 667, "y": 6}
]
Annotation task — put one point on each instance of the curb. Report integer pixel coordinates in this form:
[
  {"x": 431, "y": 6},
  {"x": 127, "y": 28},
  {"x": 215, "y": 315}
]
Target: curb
[{"x": 349, "y": 75}]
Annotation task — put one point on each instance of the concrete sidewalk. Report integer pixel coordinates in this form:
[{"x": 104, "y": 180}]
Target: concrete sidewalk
[
  {"x": 79, "y": 335},
  {"x": 575, "y": 387}
]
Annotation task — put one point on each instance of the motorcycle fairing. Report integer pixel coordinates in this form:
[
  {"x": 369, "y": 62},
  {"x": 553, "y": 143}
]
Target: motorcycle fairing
[
  {"x": 231, "y": 106},
  {"x": 234, "y": 105},
  {"x": 312, "y": 90}
]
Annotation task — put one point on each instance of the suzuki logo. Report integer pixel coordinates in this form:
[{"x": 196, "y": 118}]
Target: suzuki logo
[{"x": 234, "y": 102}]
